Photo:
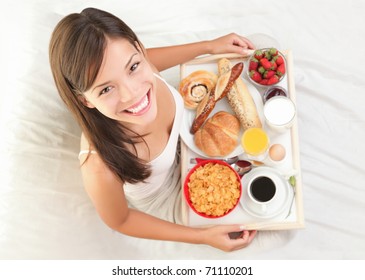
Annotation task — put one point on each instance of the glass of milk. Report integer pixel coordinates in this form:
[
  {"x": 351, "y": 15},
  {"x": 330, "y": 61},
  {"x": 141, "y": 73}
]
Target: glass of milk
[{"x": 279, "y": 113}]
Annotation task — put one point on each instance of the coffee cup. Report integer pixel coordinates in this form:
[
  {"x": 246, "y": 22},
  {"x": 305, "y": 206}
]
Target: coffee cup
[{"x": 261, "y": 190}]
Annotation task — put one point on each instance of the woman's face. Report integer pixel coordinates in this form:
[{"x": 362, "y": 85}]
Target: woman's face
[{"x": 125, "y": 88}]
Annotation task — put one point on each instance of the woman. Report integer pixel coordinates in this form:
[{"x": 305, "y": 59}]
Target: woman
[{"x": 130, "y": 118}]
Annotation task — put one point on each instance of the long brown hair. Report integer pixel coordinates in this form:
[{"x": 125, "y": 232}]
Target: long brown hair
[{"x": 76, "y": 53}]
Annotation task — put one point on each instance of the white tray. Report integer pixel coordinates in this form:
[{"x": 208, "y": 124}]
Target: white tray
[{"x": 289, "y": 139}]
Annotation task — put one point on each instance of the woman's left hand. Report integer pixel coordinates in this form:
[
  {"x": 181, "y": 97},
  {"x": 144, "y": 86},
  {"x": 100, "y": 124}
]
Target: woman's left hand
[{"x": 231, "y": 43}]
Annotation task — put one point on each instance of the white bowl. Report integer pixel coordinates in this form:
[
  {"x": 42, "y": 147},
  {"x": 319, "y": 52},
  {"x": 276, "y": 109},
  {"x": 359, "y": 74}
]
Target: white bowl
[{"x": 281, "y": 77}]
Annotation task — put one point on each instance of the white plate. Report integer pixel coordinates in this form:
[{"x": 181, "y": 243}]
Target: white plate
[
  {"x": 222, "y": 105},
  {"x": 281, "y": 201}
]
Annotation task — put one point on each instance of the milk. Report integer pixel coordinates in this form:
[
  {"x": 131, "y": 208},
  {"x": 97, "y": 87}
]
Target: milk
[{"x": 279, "y": 113}]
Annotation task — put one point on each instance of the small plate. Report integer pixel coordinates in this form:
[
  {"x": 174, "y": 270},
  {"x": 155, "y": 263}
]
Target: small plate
[
  {"x": 280, "y": 202},
  {"x": 222, "y": 105}
]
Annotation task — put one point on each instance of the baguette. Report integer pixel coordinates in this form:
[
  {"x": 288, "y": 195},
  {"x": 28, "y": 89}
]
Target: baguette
[
  {"x": 223, "y": 86},
  {"x": 204, "y": 109},
  {"x": 240, "y": 99}
]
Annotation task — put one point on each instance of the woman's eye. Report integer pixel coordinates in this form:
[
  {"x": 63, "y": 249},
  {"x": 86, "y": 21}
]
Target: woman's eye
[
  {"x": 106, "y": 90},
  {"x": 134, "y": 66}
]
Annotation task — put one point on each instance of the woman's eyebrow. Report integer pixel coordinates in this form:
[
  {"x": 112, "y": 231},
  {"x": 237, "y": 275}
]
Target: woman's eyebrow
[{"x": 130, "y": 59}]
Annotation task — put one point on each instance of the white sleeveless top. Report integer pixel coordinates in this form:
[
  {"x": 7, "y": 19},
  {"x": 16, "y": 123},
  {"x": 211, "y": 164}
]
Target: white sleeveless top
[
  {"x": 160, "y": 195},
  {"x": 161, "y": 165}
]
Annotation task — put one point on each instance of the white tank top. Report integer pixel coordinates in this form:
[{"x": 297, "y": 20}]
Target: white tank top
[{"x": 161, "y": 165}]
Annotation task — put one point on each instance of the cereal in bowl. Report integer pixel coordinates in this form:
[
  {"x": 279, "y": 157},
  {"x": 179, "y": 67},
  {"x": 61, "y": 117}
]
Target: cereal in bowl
[{"x": 214, "y": 189}]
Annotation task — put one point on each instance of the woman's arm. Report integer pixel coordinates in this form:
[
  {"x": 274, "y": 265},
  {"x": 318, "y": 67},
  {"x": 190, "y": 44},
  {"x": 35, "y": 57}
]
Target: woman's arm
[
  {"x": 107, "y": 195},
  {"x": 165, "y": 57},
  {"x": 142, "y": 225}
]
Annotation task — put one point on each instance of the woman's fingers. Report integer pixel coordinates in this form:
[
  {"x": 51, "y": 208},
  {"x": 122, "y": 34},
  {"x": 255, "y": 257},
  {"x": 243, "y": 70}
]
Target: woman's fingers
[{"x": 242, "y": 241}]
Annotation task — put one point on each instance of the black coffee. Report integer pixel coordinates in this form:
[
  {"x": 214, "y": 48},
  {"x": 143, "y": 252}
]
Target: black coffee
[{"x": 263, "y": 189}]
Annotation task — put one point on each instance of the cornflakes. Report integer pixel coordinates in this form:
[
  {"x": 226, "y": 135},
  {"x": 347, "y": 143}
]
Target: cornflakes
[{"x": 213, "y": 189}]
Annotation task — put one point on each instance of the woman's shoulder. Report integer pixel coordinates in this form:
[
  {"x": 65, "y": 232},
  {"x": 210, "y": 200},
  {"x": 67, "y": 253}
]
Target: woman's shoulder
[
  {"x": 93, "y": 167},
  {"x": 88, "y": 155},
  {"x": 85, "y": 148}
]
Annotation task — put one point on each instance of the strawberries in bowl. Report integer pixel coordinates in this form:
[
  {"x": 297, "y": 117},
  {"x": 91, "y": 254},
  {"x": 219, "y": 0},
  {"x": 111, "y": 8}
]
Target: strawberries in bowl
[{"x": 266, "y": 67}]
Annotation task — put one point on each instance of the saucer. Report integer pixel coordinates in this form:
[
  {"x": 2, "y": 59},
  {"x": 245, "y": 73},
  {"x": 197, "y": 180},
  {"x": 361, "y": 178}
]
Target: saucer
[{"x": 278, "y": 204}]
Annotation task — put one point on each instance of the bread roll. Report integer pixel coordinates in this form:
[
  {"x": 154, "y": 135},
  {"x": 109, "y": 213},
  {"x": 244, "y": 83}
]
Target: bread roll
[
  {"x": 194, "y": 87},
  {"x": 219, "y": 135},
  {"x": 223, "y": 86},
  {"x": 240, "y": 99}
]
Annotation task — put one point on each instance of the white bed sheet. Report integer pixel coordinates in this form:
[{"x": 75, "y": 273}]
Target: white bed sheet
[{"x": 44, "y": 211}]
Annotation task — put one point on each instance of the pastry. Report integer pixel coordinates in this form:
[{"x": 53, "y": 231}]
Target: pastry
[
  {"x": 219, "y": 135},
  {"x": 194, "y": 87},
  {"x": 224, "y": 84},
  {"x": 240, "y": 99}
]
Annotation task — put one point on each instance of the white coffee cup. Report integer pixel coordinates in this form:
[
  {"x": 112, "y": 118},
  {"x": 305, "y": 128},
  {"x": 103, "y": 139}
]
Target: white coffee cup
[{"x": 261, "y": 190}]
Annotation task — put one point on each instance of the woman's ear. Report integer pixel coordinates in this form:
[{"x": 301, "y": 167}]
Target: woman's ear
[{"x": 85, "y": 102}]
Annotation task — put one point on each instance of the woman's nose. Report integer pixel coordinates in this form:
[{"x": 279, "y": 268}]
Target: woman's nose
[{"x": 126, "y": 92}]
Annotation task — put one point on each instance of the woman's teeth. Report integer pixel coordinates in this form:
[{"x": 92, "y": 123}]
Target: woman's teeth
[{"x": 140, "y": 107}]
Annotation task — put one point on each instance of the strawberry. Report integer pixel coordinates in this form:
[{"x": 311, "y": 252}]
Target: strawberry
[
  {"x": 265, "y": 63},
  {"x": 268, "y": 74},
  {"x": 267, "y": 55},
  {"x": 273, "y": 51},
  {"x": 254, "y": 63},
  {"x": 258, "y": 54},
  {"x": 273, "y": 80},
  {"x": 281, "y": 70},
  {"x": 273, "y": 65},
  {"x": 256, "y": 76},
  {"x": 261, "y": 70},
  {"x": 263, "y": 82},
  {"x": 279, "y": 59}
]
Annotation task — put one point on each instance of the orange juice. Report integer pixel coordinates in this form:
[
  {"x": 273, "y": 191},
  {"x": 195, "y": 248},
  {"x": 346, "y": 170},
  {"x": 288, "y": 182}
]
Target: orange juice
[{"x": 255, "y": 141}]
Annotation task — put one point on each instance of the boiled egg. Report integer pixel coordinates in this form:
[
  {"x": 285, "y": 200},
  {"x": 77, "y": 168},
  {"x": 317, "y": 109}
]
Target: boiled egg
[{"x": 277, "y": 152}]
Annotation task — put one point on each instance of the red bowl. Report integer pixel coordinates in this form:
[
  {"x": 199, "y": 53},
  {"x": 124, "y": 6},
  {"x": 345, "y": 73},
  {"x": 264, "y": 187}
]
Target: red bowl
[{"x": 202, "y": 163}]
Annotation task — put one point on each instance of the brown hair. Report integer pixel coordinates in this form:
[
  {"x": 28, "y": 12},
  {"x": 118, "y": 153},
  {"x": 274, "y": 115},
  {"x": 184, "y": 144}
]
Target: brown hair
[{"x": 76, "y": 53}]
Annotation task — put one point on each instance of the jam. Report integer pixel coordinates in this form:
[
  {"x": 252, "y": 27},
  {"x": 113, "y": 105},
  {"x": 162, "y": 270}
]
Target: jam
[{"x": 274, "y": 91}]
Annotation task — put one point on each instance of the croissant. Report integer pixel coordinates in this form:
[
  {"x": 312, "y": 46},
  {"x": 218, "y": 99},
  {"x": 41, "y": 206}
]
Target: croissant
[
  {"x": 194, "y": 87},
  {"x": 219, "y": 135}
]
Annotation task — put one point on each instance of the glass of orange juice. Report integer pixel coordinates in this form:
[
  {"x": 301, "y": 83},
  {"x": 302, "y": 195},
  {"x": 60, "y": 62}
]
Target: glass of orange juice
[{"x": 255, "y": 142}]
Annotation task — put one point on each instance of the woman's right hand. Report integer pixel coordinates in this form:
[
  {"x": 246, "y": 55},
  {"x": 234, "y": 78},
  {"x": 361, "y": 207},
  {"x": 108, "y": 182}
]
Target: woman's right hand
[{"x": 218, "y": 237}]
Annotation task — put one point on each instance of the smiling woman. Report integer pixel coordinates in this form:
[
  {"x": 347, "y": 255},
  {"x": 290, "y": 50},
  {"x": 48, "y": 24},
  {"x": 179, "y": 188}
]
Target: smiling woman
[
  {"x": 45, "y": 213},
  {"x": 125, "y": 87},
  {"x": 130, "y": 119}
]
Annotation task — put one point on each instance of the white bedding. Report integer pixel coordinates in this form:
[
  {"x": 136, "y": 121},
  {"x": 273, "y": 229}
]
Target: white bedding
[{"x": 44, "y": 211}]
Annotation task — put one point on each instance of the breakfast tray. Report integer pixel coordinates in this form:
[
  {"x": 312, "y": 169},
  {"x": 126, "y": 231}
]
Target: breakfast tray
[{"x": 292, "y": 217}]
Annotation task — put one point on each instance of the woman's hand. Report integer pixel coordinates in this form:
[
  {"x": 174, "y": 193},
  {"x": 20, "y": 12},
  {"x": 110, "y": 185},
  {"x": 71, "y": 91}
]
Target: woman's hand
[
  {"x": 217, "y": 236},
  {"x": 231, "y": 43},
  {"x": 165, "y": 57}
]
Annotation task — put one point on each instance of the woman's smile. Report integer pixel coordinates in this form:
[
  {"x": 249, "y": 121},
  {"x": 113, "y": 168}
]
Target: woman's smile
[{"x": 140, "y": 107}]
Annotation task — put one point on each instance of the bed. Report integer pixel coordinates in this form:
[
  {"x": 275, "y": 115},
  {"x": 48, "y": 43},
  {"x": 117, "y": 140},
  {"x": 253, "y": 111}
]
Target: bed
[{"x": 44, "y": 210}]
